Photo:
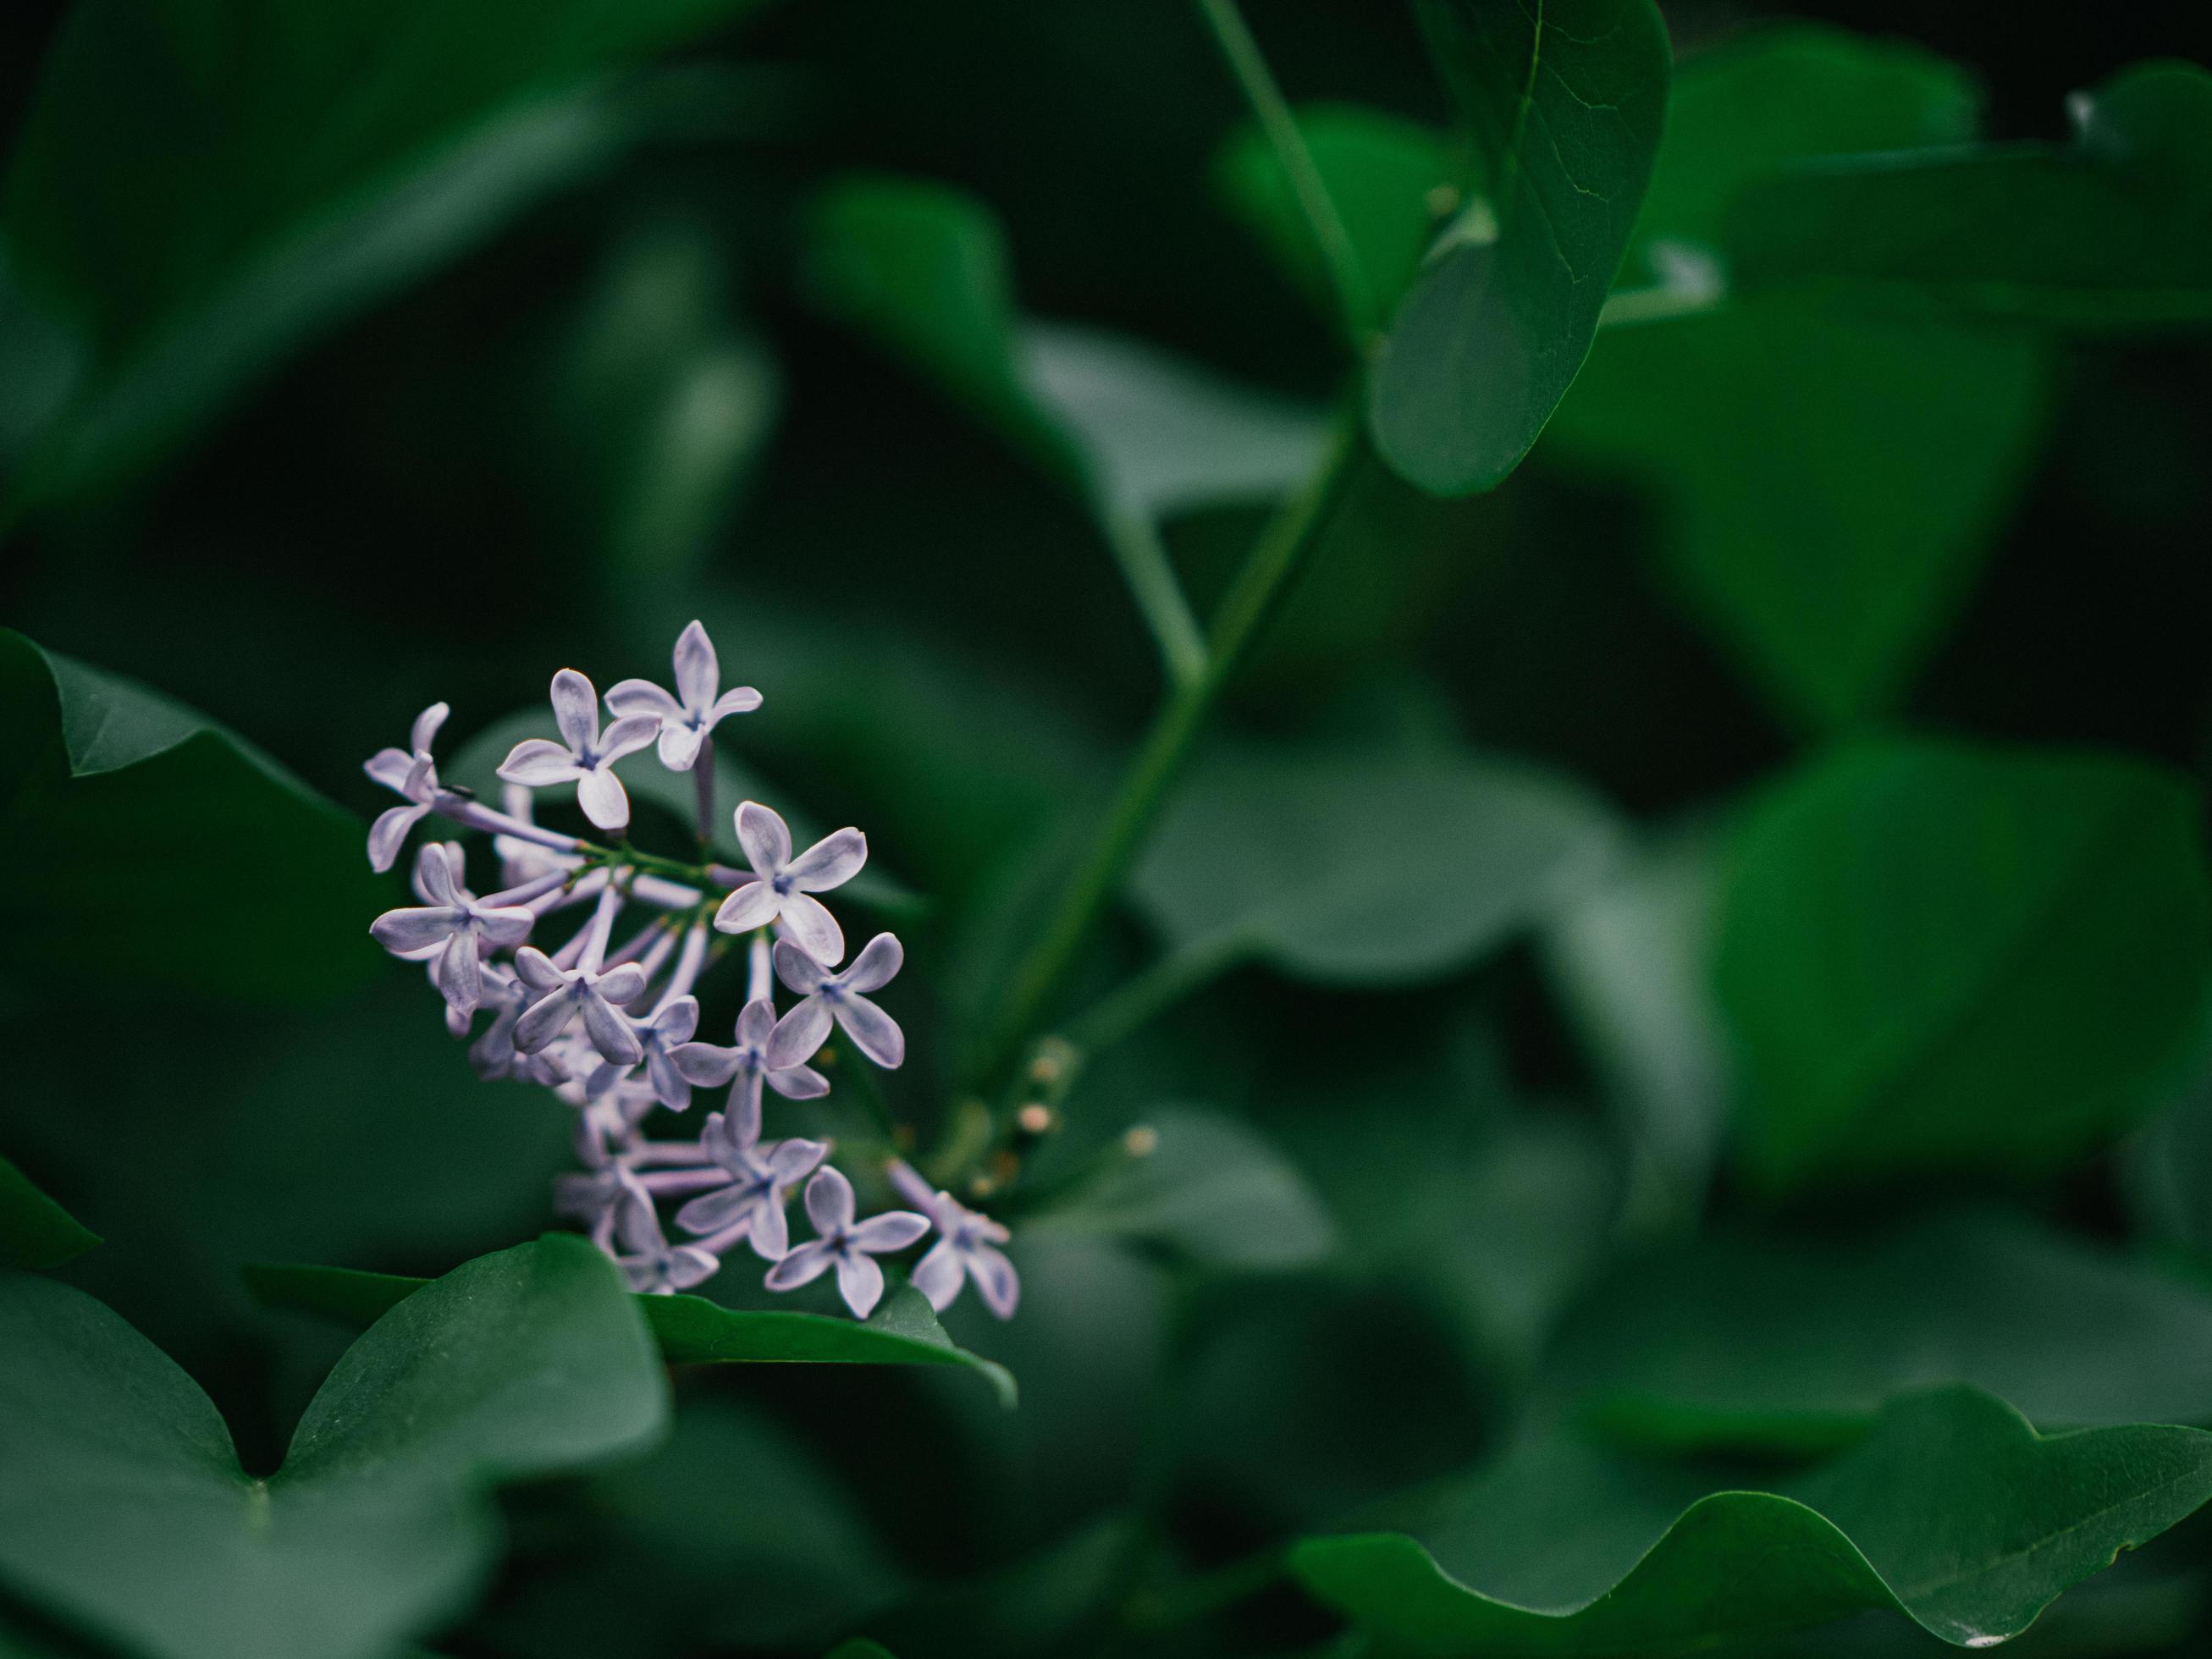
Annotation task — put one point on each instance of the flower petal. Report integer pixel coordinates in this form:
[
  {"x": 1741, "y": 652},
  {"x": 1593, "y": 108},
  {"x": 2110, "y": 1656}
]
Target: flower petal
[
  {"x": 742, "y": 699},
  {"x": 622, "y": 985},
  {"x": 536, "y": 969},
  {"x": 434, "y": 875},
  {"x": 575, "y": 710},
  {"x": 877, "y": 965},
  {"x": 389, "y": 832},
  {"x": 537, "y": 763},
  {"x": 756, "y": 1020},
  {"x": 629, "y": 735},
  {"x": 680, "y": 746},
  {"x": 801, "y": 1266},
  {"x": 765, "y": 837},
  {"x": 424, "y": 731},
  {"x": 689, "y": 1266},
  {"x": 603, "y": 798},
  {"x": 788, "y": 1160},
  {"x": 860, "y": 1282},
  {"x": 670, "y": 1086},
  {"x": 829, "y": 1200},
  {"x": 704, "y": 1064},
  {"x": 400, "y": 931},
  {"x": 830, "y": 862},
  {"x": 611, "y": 1034},
  {"x": 544, "y": 1020},
  {"x": 641, "y": 698},
  {"x": 894, "y": 1230},
  {"x": 747, "y": 907},
  {"x": 710, "y": 1212},
  {"x": 939, "y": 1273},
  {"x": 697, "y": 673},
  {"x": 675, "y": 1022},
  {"x": 798, "y": 1083},
  {"x": 390, "y": 767},
  {"x": 806, "y": 920},
  {"x": 797, "y": 1035},
  {"x": 995, "y": 1278},
  {"x": 458, "y": 980},
  {"x": 506, "y": 925},
  {"x": 770, "y": 1232},
  {"x": 798, "y": 971},
  {"x": 874, "y": 1032}
]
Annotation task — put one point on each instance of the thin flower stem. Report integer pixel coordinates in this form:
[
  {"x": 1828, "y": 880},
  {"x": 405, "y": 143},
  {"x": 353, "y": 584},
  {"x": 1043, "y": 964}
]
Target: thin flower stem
[
  {"x": 663, "y": 1182},
  {"x": 760, "y": 970},
  {"x": 703, "y": 783},
  {"x": 1138, "y": 1000},
  {"x": 1152, "y": 579},
  {"x": 1277, "y": 556},
  {"x": 650, "y": 1152},
  {"x": 1338, "y": 257},
  {"x": 600, "y": 926}
]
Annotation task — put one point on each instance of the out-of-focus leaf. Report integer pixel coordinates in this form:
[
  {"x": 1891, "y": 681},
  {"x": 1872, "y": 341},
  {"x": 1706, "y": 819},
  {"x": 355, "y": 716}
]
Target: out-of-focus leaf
[
  {"x": 1563, "y": 104},
  {"x": 1391, "y": 181},
  {"x": 34, "y": 1230},
  {"x": 198, "y": 188},
  {"x": 660, "y": 403},
  {"x": 1825, "y": 482},
  {"x": 1209, "y": 1191},
  {"x": 1793, "y": 1346},
  {"x": 169, "y": 851},
  {"x": 2112, "y": 230},
  {"x": 1356, "y": 868},
  {"x": 1951, "y": 1511},
  {"x": 921, "y": 269},
  {"x": 1932, "y": 956},
  {"x": 2165, "y": 1168},
  {"x": 690, "y": 1330},
  {"x": 124, "y": 1510},
  {"x": 1035, "y": 1605}
]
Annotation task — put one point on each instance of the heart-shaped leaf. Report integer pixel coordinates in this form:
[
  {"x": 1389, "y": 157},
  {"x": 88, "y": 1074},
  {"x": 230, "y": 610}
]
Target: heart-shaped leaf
[
  {"x": 34, "y": 1230},
  {"x": 1953, "y": 1511},
  {"x": 690, "y": 1330},
  {"x": 1791, "y": 1345},
  {"x": 2112, "y": 230},
  {"x": 125, "y": 1512},
  {"x": 1563, "y": 102},
  {"x": 169, "y": 850},
  {"x": 1932, "y": 956}
]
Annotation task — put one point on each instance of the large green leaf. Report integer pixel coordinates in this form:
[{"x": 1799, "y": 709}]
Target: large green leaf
[
  {"x": 168, "y": 849},
  {"x": 1936, "y": 956},
  {"x": 1563, "y": 102},
  {"x": 34, "y": 1230},
  {"x": 1357, "y": 868},
  {"x": 2112, "y": 230},
  {"x": 690, "y": 1330},
  {"x": 197, "y": 187},
  {"x": 1824, "y": 482},
  {"x": 125, "y": 1512},
  {"x": 1953, "y": 1511},
  {"x": 1795, "y": 1345}
]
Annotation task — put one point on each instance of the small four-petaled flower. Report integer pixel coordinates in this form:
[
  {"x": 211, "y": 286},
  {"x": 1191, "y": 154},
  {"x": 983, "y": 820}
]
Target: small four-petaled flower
[
  {"x": 696, "y": 709},
  {"x": 748, "y": 1065},
  {"x": 848, "y": 1246},
  {"x": 762, "y": 1176},
  {"x": 782, "y": 888},
  {"x": 414, "y": 774},
  {"x": 584, "y": 753},
  {"x": 842, "y": 997},
  {"x": 451, "y": 929},
  {"x": 562, "y": 994}
]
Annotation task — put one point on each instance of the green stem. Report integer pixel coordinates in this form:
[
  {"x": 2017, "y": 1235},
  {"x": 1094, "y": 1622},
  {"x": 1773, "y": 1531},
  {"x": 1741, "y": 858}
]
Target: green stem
[
  {"x": 1159, "y": 596},
  {"x": 1138, "y": 999},
  {"x": 1338, "y": 257},
  {"x": 1278, "y": 555}
]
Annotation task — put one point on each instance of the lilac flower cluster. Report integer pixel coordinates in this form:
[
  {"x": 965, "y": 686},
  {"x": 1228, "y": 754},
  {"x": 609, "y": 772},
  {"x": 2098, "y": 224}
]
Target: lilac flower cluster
[{"x": 610, "y": 1024}]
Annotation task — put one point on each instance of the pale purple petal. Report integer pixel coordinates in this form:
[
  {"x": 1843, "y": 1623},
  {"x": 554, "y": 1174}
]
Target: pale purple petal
[
  {"x": 798, "y": 1083},
  {"x": 433, "y": 874},
  {"x": 536, "y": 763},
  {"x": 829, "y": 1200},
  {"x": 704, "y": 1064},
  {"x": 756, "y": 1020},
  {"x": 894, "y": 1230},
  {"x": 575, "y": 710},
  {"x": 877, "y": 965},
  {"x": 680, "y": 746},
  {"x": 747, "y": 907},
  {"x": 506, "y": 925},
  {"x": 611, "y": 1034},
  {"x": 790, "y": 1160},
  {"x": 797, "y": 1035},
  {"x": 543, "y": 1021},
  {"x": 458, "y": 980},
  {"x": 770, "y": 1232},
  {"x": 801, "y": 1266},
  {"x": 603, "y": 798},
  {"x": 389, "y": 834},
  {"x": 765, "y": 837},
  {"x": 688, "y": 1265},
  {"x": 874, "y": 1032},
  {"x": 798, "y": 971},
  {"x": 639, "y": 1229},
  {"x": 629, "y": 735},
  {"x": 536, "y": 969},
  {"x": 996, "y": 1279},
  {"x": 670, "y": 1086},
  {"x": 424, "y": 732},
  {"x": 813, "y": 928},
  {"x": 622, "y": 985},
  {"x": 697, "y": 673},
  {"x": 710, "y": 1212},
  {"x": 677, "y": 1022},
  {"x": 641, "y": 698},
  {"x": 830, "y": 862},
  {"x": 390, "y": 767},
  {"x": 860, "y": 1282},
  {"x": 938, "y": 1273},
  {"x": 742, "y": 701},
  {"x": 401, "y": 931},
  {"x": 745, "y": 1108}
]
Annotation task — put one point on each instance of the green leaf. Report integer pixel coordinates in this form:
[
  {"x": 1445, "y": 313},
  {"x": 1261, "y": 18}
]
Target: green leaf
[
  {"x": 34, "y": 1230},
  {"x": 1563, "y": 102},
  {"x": 2112, "y": 230},
  {"x": 126, "y": 1511},
  {"x": 169, "y": 850},
  {"x": 1390, "y": 178},
  {"x": 1793, "y": 1345},
  {"x": 198, "y": 188},
  {"x": 1824, "y": 483},
  {"x": 1951, "y": 1511},
  {"x": 1932, "y": 956},
  {"x": 690, "y": 1330},
  {"x": 1210, "y": 1191},
  {"x": 1353, "y": 868}
]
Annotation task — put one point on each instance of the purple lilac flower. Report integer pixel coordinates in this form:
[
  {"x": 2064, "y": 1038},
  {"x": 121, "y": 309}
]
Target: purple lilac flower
[
  {"x": 686, "y": 717},
  {"x": 967, "y": 1247},
  {"x": 842, "y": 1243},
  {"x": 583, "y": 754},
  {"x": 841, "y": 997},
  {"x": 710, "y": 1066},
  {"x": 669, "y": 1029},
  {"x": 414, "y": 774},
  {"x": 653, "y": 1266},
  {"x": 454, "y": 927},
  {"x": 782, "y": 888},
  {"x": 563, "y": 995},
  {"x": 762, "y": 1176}
]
